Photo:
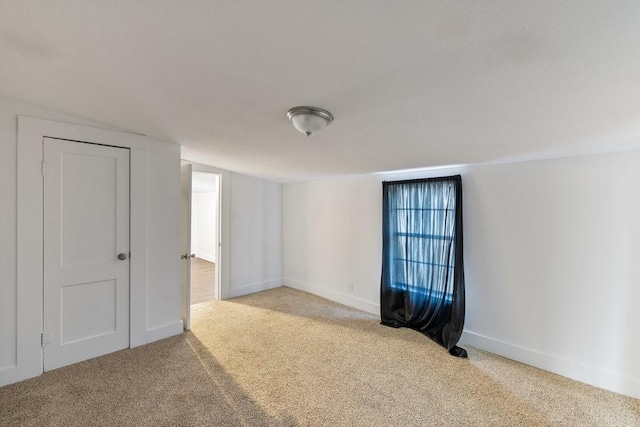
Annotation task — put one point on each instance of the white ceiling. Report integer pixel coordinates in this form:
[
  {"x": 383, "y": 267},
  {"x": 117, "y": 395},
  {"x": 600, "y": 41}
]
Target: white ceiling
[{"x": 411, "y": 83}]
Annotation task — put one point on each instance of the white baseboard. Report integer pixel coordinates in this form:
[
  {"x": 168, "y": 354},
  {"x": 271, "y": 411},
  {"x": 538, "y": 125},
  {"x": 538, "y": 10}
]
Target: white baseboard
[
  {"x": 254, "y": 287},
  {"x": 165, "y": 331},
  {"x": 568, "y": 368},
  {"x": 206, "y": 257},
  {"x": 8, "y": 375},
  {"x": 338, "y": 297}
]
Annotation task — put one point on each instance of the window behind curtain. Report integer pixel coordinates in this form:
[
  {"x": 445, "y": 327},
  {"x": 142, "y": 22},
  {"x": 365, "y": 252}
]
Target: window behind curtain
[
  {"x": 422, "y": 271},
  {"x": 422, "y": 242}
]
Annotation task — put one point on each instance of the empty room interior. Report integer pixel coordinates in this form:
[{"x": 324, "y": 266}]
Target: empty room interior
[{"x": 303, "y": 213}]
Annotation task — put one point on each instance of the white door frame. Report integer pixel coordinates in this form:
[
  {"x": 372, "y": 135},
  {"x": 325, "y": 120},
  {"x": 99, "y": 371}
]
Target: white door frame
[{"x": 31, "y": 132}]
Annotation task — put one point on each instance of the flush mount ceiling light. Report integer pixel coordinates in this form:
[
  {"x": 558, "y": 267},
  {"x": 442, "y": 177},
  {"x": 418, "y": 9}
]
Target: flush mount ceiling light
[{"x": 309, "y": 120}]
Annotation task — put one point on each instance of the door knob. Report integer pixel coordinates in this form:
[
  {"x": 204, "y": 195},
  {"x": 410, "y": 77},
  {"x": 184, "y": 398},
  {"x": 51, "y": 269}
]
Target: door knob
[
  {"x": 186, "y": 256},
  {"x": 193, "y": 255},
  {"x": 122, "y": 256}
]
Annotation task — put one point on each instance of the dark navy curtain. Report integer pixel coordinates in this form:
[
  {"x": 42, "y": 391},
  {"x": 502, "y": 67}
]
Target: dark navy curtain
[{"x": 422, "y": 285}]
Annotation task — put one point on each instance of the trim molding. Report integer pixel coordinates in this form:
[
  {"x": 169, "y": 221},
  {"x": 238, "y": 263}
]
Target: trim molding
[
  {"x": 578, "y": 371},
  {"x": 165, "y": 331},
  {"x": 338, "y": 297},
  {"x": 9, "y": 374},
  {"x": 254, "y": 287}
]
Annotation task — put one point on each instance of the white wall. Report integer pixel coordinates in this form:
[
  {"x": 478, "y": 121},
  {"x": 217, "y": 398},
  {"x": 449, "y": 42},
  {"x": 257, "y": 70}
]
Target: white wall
[
  {"x": 163, "y": 288},
  {"x": 256, "y": 235},
  {"x": 550, "y": 250},
  {"x": 332, "y": 237},
  {"x": 204, "y": 225},
  {"x": 163, "y": 238}
]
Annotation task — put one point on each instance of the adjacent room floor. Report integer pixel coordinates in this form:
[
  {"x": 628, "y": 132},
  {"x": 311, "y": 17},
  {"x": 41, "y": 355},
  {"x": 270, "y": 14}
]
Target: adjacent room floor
[
  {"x": 203, "y": 277},
  {"x": 287, "y": 358}
]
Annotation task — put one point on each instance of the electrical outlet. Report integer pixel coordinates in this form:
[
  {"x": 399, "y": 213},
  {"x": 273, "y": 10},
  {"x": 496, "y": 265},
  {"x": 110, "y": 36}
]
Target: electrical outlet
[{"x": 350, "y": 287}]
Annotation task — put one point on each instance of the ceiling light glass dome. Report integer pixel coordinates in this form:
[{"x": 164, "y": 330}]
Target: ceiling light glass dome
[{"x": 309, "y": 120}]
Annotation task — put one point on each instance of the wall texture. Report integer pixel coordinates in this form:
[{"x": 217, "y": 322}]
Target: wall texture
[
  {"x": 256, "y": 235},
  {"x": 163, "y": 236},
  {"x": 550, "y": 248}
]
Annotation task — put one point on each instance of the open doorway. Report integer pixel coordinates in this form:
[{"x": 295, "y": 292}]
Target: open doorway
[
  {"x": 205, "y": 236},
  {"x": 204, "y": 214}
]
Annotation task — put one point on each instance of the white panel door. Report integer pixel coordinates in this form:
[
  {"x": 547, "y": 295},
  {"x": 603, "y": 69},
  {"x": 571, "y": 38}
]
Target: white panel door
[
  {"x": 186, "y": 187},
  {"x": 86, "y": 251}
]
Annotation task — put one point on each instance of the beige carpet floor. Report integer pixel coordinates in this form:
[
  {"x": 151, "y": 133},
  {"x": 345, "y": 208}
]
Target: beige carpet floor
[{"x": 287, "y": 358}]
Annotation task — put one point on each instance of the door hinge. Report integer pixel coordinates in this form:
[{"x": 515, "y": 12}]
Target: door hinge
[
  {"x": 44, "y": 167},
  {"x": 46, "y": 338}
]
